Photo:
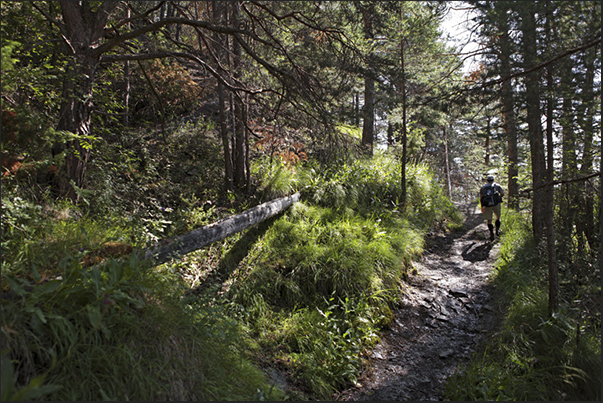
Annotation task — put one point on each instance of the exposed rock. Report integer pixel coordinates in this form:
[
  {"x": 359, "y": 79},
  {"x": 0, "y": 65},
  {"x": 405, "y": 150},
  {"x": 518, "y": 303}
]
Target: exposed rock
[
  {"x": 458, "y": 293},
  {"x": 446, "y": 353}
]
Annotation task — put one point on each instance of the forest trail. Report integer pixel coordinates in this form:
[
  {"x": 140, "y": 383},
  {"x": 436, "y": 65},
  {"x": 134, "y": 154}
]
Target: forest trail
[{"x": 447, "y": 311}]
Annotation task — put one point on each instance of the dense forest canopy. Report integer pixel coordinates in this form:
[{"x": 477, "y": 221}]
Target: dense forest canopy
[{"x": 156, "y": 117}]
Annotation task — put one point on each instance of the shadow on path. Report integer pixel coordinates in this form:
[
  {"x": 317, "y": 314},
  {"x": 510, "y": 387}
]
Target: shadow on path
[
  {"x": 473, "y": 253},
  {"x": 443, "y": 242}
]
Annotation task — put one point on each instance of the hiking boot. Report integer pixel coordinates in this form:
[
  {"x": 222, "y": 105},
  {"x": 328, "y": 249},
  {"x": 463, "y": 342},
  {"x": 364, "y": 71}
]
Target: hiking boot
[{"x": 491, "y": 229}]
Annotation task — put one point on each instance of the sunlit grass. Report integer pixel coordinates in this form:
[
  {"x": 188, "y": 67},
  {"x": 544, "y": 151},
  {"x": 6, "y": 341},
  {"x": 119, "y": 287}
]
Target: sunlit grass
[{"x": 313, "y": 253}]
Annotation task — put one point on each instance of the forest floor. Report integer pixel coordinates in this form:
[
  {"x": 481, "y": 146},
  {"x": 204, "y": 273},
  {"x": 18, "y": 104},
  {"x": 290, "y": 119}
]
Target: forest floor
[{"x": 447, "y": 312}]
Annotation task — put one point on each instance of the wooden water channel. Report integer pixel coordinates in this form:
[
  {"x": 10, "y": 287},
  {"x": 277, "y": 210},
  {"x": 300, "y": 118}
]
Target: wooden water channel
[{"x": 204, "y": 236}]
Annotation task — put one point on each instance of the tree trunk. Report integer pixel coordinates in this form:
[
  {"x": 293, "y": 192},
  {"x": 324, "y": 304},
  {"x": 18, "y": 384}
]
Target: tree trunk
[
  {"x": 357, "y": 110},
  {"x": 528, "y": 28},
  {"x": 75, "y": 118},
  {"x": 228, "y": 176},
  {"x": 217, "y": 231},
  {"x": 368, "y": 110},
  {"x": 126, "y": 120},
  {"x": 586, "y": 222},
  {"x": 368, "y": 113},
  {"x": 218, "y": 16},
  {"x": 247, "y": 165},
  {"x": 508, "y": 115},
  {"x": 239, "y": 145},
  {"x": 239, "y": 115},
  {"x": 569, "y": 161},
  {"x": 84, "y": 30},
  {"x": 552, "y": 254},
  {"x": 447, "y": 163},
  {"x": 404, "y": 135},
  {"x": 550, "y": 195},
  {"x": 487, "y": 143}
]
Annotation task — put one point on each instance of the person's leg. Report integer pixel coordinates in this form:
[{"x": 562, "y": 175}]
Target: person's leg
[
  {"x": 488, "y": 216},
  {"x": 496, "y": 211}
]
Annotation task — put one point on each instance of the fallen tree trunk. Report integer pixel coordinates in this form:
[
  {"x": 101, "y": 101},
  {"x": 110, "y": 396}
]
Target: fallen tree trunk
[{"x": 217, "y": 231}]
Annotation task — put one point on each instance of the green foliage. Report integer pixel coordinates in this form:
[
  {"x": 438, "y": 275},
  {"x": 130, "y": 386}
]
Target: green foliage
[
  {"x": 118, "y": 331},
  {"x": 325, "y": 345},
  {"x": 277, "y": 179},
  {"x": 351, "y": 131},
  {"x": 372, "y": 187},
  {"x": 38, "y": 238},
  {"x": 34, "y": 390},
  {"x": 8, "y": 62},
  {"x": 313, "y": 253},
  {"x": 158, "y": 184},
  {"x": 320, "y": 282},
  {"x": 534, "y": 356},
  {"x": 426, "y": 201},
  {"x": 366, "y": 185}
]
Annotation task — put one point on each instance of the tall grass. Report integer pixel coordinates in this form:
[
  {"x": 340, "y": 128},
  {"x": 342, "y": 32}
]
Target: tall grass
[
  {"x": 317, "y": 287},
  {"x": 118, "y": 330},
  {"x": 314, "y": 253},
  {"x": 534, "y": 356},
  {"x": 320, "y": 284}
]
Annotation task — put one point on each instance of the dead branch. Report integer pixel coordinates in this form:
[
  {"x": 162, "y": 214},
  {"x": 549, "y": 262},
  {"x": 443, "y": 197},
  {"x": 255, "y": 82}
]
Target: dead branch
[{"x": 561, "y": 181}]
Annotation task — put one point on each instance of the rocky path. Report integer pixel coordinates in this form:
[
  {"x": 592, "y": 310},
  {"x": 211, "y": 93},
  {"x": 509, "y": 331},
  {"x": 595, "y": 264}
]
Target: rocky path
[{"x": 446, "y": 312}]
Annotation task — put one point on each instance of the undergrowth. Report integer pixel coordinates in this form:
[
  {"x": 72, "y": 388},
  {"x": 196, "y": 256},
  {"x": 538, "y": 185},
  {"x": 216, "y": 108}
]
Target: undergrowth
[
  {"x": 320, "y": 283},
  {"x": 83, "y": 318},
  {"x": 117, "y": 331},
  {"x": 306, "y": 292},
  {"x": 533, "y": 356}
]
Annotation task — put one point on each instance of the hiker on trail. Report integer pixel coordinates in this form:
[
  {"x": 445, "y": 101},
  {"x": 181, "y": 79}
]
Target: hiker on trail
[{"x": 490, "y": 197}]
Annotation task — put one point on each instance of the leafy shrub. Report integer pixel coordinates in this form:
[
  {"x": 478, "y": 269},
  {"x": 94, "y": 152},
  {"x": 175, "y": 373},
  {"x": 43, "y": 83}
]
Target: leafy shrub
[
  {"x": 372, "y": 186},
  {"x": 364, "y": 185},
  {"x": 277, "y": 178},
  {"x": 326, "y": 344}
]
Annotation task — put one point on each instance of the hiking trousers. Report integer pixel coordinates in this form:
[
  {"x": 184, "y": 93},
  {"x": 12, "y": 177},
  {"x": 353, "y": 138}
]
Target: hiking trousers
[{"x": 488, "y": 211}]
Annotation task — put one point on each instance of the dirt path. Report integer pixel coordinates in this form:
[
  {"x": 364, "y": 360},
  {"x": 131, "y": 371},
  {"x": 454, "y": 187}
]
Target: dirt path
[{"x": 447, "y": 311}]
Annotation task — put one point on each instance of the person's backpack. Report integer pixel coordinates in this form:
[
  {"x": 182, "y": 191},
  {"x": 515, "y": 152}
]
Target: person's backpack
[{"x": 490, "y": 197}]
